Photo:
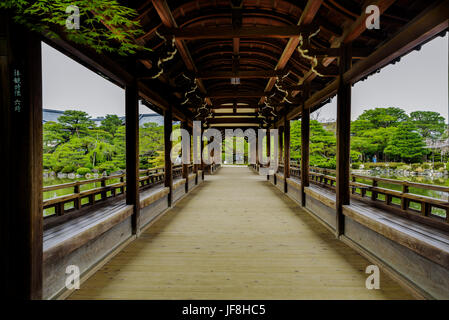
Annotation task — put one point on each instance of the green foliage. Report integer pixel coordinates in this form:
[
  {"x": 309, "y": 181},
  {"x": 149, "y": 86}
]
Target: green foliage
[
  {"x": 68, "y": 169},
  {"x": 53, "y": 136},
  {"x": 355, "y": 165},
  {"x": 76, "y": 144},
  {"x": 429, "y": 124},
  {"x": 406, "y": 144},
  {"x": 111, "y": 123},
  {"x": 151, "y": 137},
  {"x": 107, "y": 166},
  {"x": 384, "y": 117},
  {"x": 322, "y": 144},
  {"x": 438, "y": 165},
  {"x": 75, "y": 122},
  {"x": 105, "y": 25},
  {"x": 83, "y": 171}
]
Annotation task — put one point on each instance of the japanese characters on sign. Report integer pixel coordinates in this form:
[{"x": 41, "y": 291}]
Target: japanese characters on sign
[{"x": 17, "y": 97}]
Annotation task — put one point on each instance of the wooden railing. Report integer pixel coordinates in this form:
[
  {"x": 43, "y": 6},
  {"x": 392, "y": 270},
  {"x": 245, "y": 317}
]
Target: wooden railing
[
  {"x": 177, "y": 171},
  {"x": 79, "y": 198},
  {"x": 295, "y": 171},
  {"x": 371, "y": 187},
  {"x": 151, "y": 177}
]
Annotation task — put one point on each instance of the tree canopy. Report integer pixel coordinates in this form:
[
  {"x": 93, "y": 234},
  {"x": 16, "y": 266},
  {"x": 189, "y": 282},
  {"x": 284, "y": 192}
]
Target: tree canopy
[{"x": 106, "y": 25}]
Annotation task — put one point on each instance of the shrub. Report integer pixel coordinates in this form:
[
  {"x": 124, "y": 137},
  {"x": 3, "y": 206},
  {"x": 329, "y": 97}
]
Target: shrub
[
  {"x": 438, "y": 165},
  {"x": 404, "y": 167},
  {"x": 108, "y": 166},
  {"x": 426, "y": 166},
  {"x": 355, "y": 165},
  {"x": 395, "y": 165},
  {"x": 68, "y": 169},
  {"x": 83, "y": 171},
  {"x": 415, "y": 166}
]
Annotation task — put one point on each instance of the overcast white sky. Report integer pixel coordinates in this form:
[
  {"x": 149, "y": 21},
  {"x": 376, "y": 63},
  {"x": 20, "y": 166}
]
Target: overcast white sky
[{"x": 418, "y": 82}]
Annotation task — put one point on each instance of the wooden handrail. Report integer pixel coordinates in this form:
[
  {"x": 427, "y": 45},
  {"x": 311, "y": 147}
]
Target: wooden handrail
[
  {"x": 151, "y": 177},
  {"x": 320, "y": 176}
]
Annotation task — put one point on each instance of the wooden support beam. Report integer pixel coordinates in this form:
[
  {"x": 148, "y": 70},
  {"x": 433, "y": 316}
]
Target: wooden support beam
[
  {"x": 168, "y": 127},
  {"x": 350, "y": 33},
  {"x": 218, "y": 115},
  {"x": 424, "y": 27},
  {"x": 200, "y": 33},
  {"x": 233, "y": 120},
  {"x": 268, "y": 150},
  {"x": 242, "y": 74},
  {"x": 257, "y": 148},
  {"x": 21, "y": 221},
  {"x": 280, "y": 143},
  {"x": 185, "y": 165},
  {"x": 132, "y": 153},
  {"x": 421, "y": 29},
  {"x": 343, "y": 139},
  {"x": 305, "y": 149},
  {"x": 168, "y": 21},
  {"x": 237, "y": 94},
  {"x": 306, "y": 19},
  {"x": 286, "y": 151}
]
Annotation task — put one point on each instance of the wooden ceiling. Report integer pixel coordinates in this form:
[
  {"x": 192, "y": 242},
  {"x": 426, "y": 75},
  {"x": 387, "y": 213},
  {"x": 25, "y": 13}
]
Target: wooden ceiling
[{"x": 239, "y": 59}]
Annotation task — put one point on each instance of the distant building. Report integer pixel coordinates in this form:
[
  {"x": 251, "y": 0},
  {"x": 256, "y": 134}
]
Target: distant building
[{"x": 53, "y": 115}]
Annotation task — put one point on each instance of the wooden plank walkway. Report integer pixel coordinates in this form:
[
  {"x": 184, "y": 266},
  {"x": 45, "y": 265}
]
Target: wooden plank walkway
[{"x": 236, "y": 237}]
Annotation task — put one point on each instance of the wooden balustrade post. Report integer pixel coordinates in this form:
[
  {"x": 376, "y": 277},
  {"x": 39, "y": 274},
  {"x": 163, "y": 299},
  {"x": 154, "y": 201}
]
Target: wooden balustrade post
[
  {"x": 103, "y": 185},
  {"x": 21, "y": 221},
  {"x": 343, "y": 137},
  {"x": 280, "y": 144},
  {"x": 305, "y": 149},
  {"x": 404, "y": 200},
  {"x": 132, "y": 152},
  {"x": 353, "y": 188},
  {"x": 268, "y": 151},
  {"x": 374, "y": 193},
  {"x": 201, "y": 153},
  {"x": 257, "y": 149},
  {"x": 122, "y": 188},
  {"x": 77, "y": 203},
  {"x": 168, "y": 127},
  {"x": 185, "y": 165},
  {"x": 286, "y": 150}
]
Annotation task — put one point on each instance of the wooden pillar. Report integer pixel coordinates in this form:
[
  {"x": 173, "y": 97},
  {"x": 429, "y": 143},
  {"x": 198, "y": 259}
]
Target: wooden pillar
[
  {"x": 281, "y": 143},
  {"x": 305, "y": 149},
  {"x": 21, "y": 220},
  {"x": 132, "y": 152},
  {"x": 286, "y": 151},
  {"x": 185, "y": 165},
  {"x": 257, "y": 149},
  {"x": 168, "y": 127},
  {"x": 201, "y": 153},
  {"x": 268, "y": 151},
  {"x": 343, "y": 138}
]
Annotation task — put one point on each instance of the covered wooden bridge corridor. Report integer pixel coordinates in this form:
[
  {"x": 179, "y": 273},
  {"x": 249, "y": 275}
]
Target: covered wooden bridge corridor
[
  {"x": 200, "y": 230},
  {"x": 236, "y": 237}
]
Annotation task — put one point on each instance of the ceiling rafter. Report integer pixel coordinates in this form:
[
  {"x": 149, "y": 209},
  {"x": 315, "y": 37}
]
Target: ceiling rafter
[
  {"x": 306, "y": 18},
  {"x": 168, "y": 21}
]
